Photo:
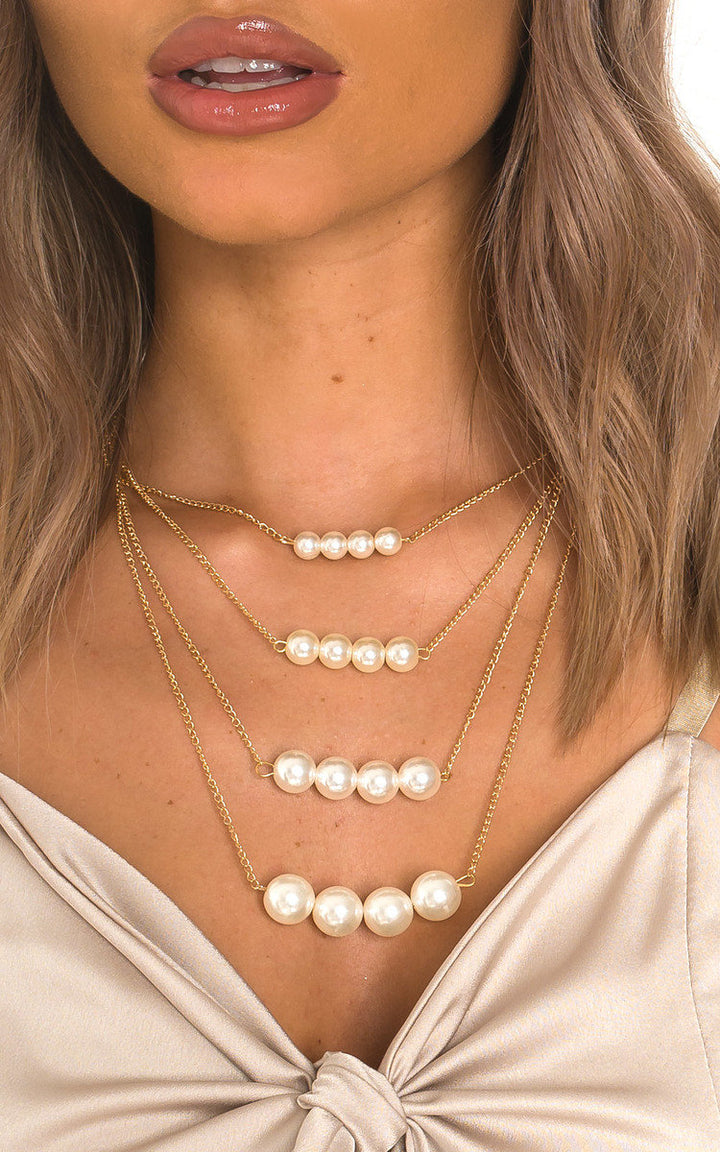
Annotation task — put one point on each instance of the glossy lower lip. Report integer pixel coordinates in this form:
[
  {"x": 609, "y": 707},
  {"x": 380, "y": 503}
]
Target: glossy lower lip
[{"x": 244, "y": 113}]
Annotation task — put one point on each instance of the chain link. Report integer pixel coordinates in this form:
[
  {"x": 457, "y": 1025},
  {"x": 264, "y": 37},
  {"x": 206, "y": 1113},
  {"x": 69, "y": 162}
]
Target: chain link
[
  {"x": 208, "y": 505},
  {"x": 231, "y": 510},
  {"x": 275, "y": 641},
  {"x": 192, "y": 648},
  {"x": 468, "y": 878},
  {"x": 182, "y": 703},
  {"x": 497, "y": 566},
  {"x": 487, "y": 676},
  {"x": 438, "y": 520}
]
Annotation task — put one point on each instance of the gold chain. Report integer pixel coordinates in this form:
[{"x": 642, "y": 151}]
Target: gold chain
[
  {"x": 487, "y": 675},
  {"x": 131, "y": 536},
  {"x": 135, "y": 544},
  {"x": 468, "y": 878},
  {"x": 276, "y": 642},
  {"x": 229, "y": 509},
  {"x": 185, "y": 711}
]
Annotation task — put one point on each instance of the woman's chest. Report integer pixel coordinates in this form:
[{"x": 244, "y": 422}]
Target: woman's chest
[
  {"x": 136, "y": 783},
  {"x": 99, "y": 735},
  {"x": 350, "y": 994}
]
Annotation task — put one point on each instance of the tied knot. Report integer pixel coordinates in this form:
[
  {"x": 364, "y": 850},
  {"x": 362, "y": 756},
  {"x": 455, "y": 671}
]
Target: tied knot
[{"x": 360, "y": 1099}]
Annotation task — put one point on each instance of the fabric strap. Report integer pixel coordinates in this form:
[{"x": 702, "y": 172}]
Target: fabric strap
[{"x": 696, "y": 701}]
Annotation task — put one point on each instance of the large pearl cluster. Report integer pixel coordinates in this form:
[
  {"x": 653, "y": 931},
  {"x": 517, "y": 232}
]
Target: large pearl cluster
[
  {"x": 335, "y": 545},
  {"x": 338, "y": 911},
  {"x": 367, "y": 654},
  {"x": 336, "y": 778}
]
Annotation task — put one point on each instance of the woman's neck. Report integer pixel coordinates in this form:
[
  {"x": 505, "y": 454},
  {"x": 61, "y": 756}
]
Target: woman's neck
[{"x": 320, "y": 376}]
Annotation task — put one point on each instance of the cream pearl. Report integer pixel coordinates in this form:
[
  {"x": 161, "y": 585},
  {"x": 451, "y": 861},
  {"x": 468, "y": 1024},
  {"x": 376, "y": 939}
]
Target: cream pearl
[
  {"x": 302, "y": 646},
  {"x": 335, "y": 778},
  {"x": 436, "y": 895},
  {"x": 335, "y": 650},
  {"x": 337, "y": 911},
  {"x": 294, "y": 771},
  {"x": 361, "y": 544},
  {"x": 388, "y": 541},
  {"x": 388, "y": 911},
  {"x": 288, "y": 899},
  {"x": 401, "y": 654},
  {"x": 306, "y": 545},
  {"x": 334, "y": 545},
  {"x": 377, "y": 782},
  {"x": 368, "y": 654},
  {"x": 419, "y": 778}
]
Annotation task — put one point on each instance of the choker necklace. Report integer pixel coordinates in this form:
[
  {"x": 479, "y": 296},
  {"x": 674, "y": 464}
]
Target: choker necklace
[
  {"x": 333, "y": 545},
  {"x": 336, "y": 650},
  {"x": 338, "y": 910},
  {"x": 335, "y": 777}
]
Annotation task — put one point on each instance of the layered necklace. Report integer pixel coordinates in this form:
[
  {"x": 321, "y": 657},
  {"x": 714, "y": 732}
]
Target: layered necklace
[
  {"x": 334, "y": 650},
  {"x": 290, "y": 898}
]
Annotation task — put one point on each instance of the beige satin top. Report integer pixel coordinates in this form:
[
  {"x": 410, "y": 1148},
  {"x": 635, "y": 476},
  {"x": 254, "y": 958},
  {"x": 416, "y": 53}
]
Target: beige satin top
[{"x": 579, "y": 1013}]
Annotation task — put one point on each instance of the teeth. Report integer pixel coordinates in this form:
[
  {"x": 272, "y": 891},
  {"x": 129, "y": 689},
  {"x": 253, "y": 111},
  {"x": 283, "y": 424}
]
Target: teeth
[
  {"x": 238, "y": 64},
  {"x": 248, "y": 87}
]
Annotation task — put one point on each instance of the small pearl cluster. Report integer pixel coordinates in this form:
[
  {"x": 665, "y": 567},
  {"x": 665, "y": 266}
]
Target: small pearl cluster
[
  {"x": 337, "y": 778},
  {"x": 367, "y": 654},
  {"x": 338, "y": 911},
  {"x": 335, "y": 545}
]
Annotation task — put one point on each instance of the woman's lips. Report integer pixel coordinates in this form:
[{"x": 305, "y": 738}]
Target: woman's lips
[
  {"x": 210, "y": 37},
  {"x": 219, "y": 112},
  {"x": 244, "y": 113}
]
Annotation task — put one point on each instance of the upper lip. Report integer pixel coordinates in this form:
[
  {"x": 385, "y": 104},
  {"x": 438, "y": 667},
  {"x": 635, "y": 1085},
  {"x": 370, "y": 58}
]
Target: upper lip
[{"x": 210, "y": 37}]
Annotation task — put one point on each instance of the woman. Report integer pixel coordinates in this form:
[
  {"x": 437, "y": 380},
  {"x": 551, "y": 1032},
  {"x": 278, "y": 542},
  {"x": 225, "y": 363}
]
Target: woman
[{"x": 456, "y": 247}]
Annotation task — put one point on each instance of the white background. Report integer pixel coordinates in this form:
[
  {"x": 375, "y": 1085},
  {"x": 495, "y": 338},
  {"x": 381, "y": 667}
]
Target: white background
[{"x": 695, "y": 54}]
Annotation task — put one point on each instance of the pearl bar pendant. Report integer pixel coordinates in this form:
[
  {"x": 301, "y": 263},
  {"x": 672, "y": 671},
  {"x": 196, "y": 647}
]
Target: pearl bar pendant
[
  {"x": 367, "y": 654},
  {"x": 335, "y": 545},
  {"x": 336, "y": 778},
  {"x": 338, "y": 911}
]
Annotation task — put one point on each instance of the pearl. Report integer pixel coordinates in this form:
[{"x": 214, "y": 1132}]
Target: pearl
[
  {"x": 335, "y": 778},
  {"x": 335, "y": 650},
  {"x": 368, "y": 654},
  {"x": 361, "y": 544},
  {"x": 388, "y": 911},
  {"x": 306, "y": 545},
  {"x": 436, "y": 895},
  {"x": 377, "y": 782},
  {"x": 334, "y": 545},
  {"x": 294, "y": 771},
  {"x": 419, "y": 778},
  {"x": 288, "y": 899},
  {"x": 401, "y": 654},
  {"x": 302, "y": 646},
  {"x": 337, "y": 911},
  {"x": 388, "y": 541}
]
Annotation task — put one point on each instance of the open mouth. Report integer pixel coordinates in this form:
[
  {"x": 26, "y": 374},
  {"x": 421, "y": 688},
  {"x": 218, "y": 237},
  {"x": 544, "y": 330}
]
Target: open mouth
[
  {"x": 236, "y": 74},
  {"x": 209, "y": 75}
]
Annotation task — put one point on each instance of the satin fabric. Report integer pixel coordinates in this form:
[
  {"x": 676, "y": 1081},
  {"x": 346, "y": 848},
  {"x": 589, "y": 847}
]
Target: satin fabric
[{"x": 579, "y": 1013}]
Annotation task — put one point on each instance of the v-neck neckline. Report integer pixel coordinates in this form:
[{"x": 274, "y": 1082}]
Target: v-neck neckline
[{"x": 663, "y": 741}]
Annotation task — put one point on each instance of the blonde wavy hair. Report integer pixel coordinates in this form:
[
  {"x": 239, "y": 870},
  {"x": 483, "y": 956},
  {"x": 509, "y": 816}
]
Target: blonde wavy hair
[{"x": 596, "y": 272}]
